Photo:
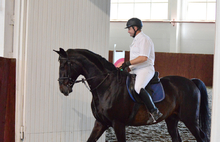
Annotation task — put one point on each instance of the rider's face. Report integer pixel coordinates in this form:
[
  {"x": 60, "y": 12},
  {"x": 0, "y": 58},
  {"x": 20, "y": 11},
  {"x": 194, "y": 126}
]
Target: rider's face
[{"x": 131, "y": 31}]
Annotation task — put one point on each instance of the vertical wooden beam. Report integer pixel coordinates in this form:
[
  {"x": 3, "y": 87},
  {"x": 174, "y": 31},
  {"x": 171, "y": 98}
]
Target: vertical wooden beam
[
  {"x": 3, "y": 95},
  {"x": 110, "y": 56},
  {"x": 7, "y": 101},
  {"x": 127, "y": 55}
]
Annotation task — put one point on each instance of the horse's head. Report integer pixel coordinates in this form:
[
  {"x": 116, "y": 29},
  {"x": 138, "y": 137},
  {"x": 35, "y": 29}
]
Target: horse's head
[{"x": 69, "y": 70}]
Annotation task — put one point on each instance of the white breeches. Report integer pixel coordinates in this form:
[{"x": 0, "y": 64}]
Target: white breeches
[{"x": 143, "y": 77}]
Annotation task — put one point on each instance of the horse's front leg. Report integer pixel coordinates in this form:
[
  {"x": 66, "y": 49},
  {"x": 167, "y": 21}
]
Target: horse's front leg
[
  {"x": 119, "y": 131},
  {"x": 97, "y": 131}
]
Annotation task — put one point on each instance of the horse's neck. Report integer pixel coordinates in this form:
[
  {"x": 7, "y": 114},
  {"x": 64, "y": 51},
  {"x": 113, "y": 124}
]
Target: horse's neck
[
  {"x": 93, "y": 74},
  {"x": 90, "y": 70},
  {"x": 96, "y": 74}
]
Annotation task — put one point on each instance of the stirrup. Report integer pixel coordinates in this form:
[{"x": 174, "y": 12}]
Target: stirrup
[
  {"x": 151, "y": 120},
  {"x": 154, "y": 116}
]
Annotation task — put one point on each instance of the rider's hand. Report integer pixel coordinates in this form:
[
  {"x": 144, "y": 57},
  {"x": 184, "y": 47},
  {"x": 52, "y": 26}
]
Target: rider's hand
[{"x": 124, "y": 65}]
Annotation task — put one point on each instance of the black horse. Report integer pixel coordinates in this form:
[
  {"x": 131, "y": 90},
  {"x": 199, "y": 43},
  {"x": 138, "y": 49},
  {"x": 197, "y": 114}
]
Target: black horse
[{"x": 186, "y": 100}]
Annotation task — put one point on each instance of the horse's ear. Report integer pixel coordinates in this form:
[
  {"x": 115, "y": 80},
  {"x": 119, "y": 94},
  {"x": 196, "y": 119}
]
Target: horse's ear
[{"x": 62, "y": 53}]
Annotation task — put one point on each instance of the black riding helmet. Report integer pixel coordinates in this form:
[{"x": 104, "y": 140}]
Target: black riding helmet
[{"x": 134, "y": 22}]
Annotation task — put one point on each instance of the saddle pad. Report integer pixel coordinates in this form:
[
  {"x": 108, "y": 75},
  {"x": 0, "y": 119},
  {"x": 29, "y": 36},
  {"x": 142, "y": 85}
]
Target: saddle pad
[
  {"x": 156, "y": 89},
  {"x": 158, "y": 92}
]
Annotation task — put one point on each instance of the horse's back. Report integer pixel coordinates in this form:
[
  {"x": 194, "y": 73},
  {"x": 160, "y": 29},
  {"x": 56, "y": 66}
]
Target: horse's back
[
  {"x": 176, "y": 80},
  {"x": 178, "y": 83},
  {"x": 180, "y": 87}
]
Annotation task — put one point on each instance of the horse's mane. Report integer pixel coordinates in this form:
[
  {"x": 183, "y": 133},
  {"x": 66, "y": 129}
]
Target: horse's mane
[{"x": 98, "y": 60}]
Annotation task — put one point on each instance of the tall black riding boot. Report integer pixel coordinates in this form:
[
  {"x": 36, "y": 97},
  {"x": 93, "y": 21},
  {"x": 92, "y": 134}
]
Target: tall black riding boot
[{"x": 155, "y": 113}]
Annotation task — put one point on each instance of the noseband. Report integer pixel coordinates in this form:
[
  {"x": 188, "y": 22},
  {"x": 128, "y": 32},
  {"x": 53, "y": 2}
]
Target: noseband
[{"x": 83, "y": 80}]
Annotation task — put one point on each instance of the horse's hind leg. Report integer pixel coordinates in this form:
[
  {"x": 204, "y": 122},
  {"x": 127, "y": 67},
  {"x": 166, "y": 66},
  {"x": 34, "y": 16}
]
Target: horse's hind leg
[
  {"x": 193, "y": 127},
  {"x": 97, "y": 131},
  {"x": 191, "y": 120},
  {"x": 172, "y": 122}
]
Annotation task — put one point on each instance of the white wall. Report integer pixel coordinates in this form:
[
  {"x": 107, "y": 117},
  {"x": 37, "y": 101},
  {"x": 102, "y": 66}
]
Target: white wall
[
  {"x": 197, "y": 38},
  {"x": 193, "y": 37},
  {"x": 41, "y": 26},
  {"x": 2, "y": 20},
  {"x": 180, "y": 38}
]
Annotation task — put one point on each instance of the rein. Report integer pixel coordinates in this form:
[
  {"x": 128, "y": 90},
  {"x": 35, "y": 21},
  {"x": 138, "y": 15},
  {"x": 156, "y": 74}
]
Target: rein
[{"x": 83, "y": 81}]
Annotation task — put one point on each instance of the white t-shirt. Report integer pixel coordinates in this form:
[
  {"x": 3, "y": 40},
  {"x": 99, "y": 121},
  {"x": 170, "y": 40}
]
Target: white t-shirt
[{"x": 142, "y": 45}]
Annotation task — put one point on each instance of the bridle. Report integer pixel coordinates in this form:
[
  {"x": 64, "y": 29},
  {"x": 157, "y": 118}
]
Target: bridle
[
  {"x": 83, "y": 80},
  {"x": 70, "y": 80}
]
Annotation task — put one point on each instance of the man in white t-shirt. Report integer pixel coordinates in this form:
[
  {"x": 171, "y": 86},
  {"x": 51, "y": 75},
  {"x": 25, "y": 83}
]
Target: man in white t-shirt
[{"x": 141, "y": 63}]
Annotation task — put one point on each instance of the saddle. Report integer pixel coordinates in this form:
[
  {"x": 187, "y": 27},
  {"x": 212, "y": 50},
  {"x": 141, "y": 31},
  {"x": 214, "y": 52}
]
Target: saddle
[{"x": 154, "y": 88}]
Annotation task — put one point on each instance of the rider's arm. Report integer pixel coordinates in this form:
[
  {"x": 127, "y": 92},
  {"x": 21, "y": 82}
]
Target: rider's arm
[{"x": 139, "y": 59}]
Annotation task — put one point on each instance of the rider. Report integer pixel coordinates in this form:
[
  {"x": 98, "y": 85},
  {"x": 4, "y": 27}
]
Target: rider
[{"x": 141, "y": 63}]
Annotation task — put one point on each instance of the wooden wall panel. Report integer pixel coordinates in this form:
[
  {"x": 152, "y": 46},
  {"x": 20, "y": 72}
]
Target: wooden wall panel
[
  {"x": 7, "y": 101},
  {"x": 187, "y": 65}
]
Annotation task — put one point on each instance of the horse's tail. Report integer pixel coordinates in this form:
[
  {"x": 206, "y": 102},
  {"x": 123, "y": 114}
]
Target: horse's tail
[{"x": 204, "y": 115}]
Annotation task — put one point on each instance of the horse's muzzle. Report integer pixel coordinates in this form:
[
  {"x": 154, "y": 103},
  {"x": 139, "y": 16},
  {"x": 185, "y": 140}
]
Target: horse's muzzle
[{"x": 66, "y": 90}]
